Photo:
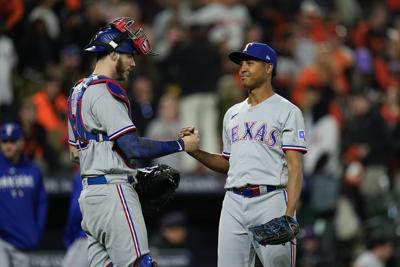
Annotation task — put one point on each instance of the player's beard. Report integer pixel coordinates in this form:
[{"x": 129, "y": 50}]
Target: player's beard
[{"x": 122, "y": 71}]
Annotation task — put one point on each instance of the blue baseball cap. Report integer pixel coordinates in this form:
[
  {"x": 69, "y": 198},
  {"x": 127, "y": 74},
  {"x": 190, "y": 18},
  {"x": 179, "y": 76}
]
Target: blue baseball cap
[
  {"x": 258, "y": 51},
  {"x": 10, "y": 131}
]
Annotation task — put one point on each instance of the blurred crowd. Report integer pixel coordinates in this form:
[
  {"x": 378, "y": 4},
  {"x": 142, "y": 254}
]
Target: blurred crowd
[{"x": 339, "y": 61}]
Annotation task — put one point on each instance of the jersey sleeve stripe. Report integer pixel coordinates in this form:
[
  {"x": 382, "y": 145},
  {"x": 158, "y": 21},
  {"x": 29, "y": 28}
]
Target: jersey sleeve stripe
[
  {"x": 115, "y": 135},
  {"x": 73, "y": 143},
  {"x": 296, "y": 148},
  {"x": 226, "y": 155}
]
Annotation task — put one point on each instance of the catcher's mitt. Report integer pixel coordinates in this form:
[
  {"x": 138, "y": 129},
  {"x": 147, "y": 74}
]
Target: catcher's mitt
[
  {"x": 156, "y": 186},
  {"x": 276, "y": 231}
]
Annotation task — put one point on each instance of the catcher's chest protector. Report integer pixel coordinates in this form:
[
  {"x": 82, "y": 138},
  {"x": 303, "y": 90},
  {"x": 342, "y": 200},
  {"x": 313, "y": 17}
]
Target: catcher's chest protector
[{"x": 82, "y": 135}]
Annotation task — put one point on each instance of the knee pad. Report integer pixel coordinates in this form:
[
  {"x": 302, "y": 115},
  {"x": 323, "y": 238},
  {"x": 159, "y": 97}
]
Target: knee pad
[{"x": 146, "y": 261}]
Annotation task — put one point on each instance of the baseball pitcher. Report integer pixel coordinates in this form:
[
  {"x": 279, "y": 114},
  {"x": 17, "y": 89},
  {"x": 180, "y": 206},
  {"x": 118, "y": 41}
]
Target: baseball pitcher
[{"x": 263, "y": 142}]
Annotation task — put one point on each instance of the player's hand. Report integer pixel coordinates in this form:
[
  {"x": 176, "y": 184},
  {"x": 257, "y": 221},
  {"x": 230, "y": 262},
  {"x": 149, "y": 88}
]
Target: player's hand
[
  {"x": 186, "y": 131},
  {"x": 191, "y": 141}
]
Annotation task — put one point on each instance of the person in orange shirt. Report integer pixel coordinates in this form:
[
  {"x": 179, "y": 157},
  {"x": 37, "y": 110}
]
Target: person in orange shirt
[
  {"x": 51, "y": 107},
  {"x": 11, "y": 13},
  {"x": 323, "y": 73}
]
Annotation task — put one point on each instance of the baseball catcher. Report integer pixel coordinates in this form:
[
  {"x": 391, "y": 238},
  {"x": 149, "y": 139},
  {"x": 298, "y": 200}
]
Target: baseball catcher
[
  {"x": 156, "y": 186},
  {"x": 277, "y": 231}
]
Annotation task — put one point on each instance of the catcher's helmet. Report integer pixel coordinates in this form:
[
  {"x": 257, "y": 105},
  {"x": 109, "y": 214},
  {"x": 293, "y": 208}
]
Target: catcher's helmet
[{"x": 120, "y": 36}]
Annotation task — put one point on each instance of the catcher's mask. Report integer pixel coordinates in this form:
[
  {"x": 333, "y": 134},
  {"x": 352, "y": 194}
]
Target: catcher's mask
[{"x": 121, "y": 36}]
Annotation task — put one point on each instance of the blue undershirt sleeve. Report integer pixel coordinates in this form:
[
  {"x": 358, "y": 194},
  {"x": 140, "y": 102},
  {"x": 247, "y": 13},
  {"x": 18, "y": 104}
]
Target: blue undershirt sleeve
[{"x": 136, "y": 147}]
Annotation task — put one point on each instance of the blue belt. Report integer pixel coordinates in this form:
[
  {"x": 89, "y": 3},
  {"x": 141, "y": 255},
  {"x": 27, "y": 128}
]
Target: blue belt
[
  {"x": 101, "y": 179},
  {"x": 254, "y": 190}
]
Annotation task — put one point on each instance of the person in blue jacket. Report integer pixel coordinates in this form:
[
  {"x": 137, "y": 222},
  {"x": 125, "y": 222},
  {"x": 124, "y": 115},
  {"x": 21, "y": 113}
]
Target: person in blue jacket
[
  {"x": 75, "y": 239},
  {"x": 23, "y": 199}
]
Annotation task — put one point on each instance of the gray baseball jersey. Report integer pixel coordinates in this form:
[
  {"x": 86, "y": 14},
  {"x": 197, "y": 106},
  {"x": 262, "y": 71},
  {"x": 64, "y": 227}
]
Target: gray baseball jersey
[
  {"x": 101, "y": 112},
  {"x": 255, "y": 139},
  {"x": 112, "y": 215}
]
